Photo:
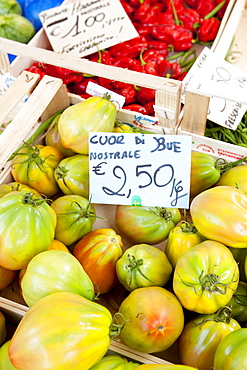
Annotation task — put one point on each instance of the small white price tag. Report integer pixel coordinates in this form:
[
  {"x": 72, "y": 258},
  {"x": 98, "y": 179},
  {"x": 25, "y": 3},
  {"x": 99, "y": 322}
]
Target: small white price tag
[
  {"x": 97, "y": 90},
  {"x": 140, "y": 169},
  {"x": 224, "y": 83},
  {"x": 84, "y": 27}
]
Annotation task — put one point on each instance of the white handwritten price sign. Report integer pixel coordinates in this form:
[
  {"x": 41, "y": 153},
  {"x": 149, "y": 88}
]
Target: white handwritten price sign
[
  {"x": 226, "y": 85},
  {"x": 140, "y": 169},
  {"x": 84, "y": 27}
]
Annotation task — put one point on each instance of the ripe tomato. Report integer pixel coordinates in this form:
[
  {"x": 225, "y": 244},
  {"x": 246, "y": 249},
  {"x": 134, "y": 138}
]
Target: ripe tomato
[
  {"x": 143, "y": 265},
  {"x": 150, "y": 225},
  {"x": 181, "y": 238},
  {"x": 75, "y": 218},
  {"x": 148, "y": 318},
  {"x": 220, "y": 214},
  {"x": 27, "y": 225},
  {"x": 98, "y": 252},
  {"x": 54, "y": 271},
  {"x": 205, "y": 277},
  {"x": 201, "y": 336},
  {"x": 57, "y": 245},
  {"x": 72, "y": 175},
  {"x": 114, "y": 362},
  {"x": 34, "y": 166},
  {"x": 231, "y": 352},
  {"x": 61, "y": 331}
]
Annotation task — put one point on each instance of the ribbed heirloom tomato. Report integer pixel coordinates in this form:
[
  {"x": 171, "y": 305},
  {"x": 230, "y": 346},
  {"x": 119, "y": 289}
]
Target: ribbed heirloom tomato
[
  {"x": 153, "y": 319},
  {"x": 150, "y": 225},
  {"x": 62, "y": 331},
  {"x": 114, "y": 362},
  {"x": 98, "y": 252},
  {"x": 220, "y": 214},
  {"x": 201, "y": 336},
  {"x": 143, "y": 265},
  {"x": 206, "y": 277},
  {"x": 35, "y": 165},
  {"x": 4, "y": 357}
]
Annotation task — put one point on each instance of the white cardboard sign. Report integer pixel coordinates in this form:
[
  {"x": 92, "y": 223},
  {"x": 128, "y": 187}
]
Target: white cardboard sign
[
  {"x": 140, "y": 169},
  {"x": 84, "y": 27},
  {"x": 226, "y": 85}
]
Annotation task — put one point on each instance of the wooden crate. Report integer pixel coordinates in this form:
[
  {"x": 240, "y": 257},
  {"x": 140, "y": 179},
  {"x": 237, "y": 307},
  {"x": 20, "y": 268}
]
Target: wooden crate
[
  {"x": 184, "y": 118},
  {"x": 46, "y": 97}
]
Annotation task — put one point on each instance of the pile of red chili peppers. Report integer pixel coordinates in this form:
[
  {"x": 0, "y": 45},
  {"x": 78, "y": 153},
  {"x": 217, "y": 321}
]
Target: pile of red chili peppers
[{"x": 167, "y": 30}]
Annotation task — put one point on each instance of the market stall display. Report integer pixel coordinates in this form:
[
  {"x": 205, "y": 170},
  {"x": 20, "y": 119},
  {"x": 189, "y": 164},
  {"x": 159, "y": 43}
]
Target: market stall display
[{"x": 200, "y": 280}]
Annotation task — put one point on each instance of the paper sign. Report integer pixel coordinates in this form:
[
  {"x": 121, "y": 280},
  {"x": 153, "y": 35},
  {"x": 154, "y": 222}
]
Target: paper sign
[
  {"x": 140, "y": 169},
  {"x": 226, "y": 85},
  {"x": 97, "y": 90},
  {"x": 84, "y": 27}
]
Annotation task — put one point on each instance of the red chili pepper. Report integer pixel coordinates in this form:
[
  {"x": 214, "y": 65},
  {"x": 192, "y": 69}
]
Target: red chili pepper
[
  {"x": 208, "y": 29},
  {"x": 153, "y": 55},
  {"x": 149, "y": 106},
  {"x": 182, "y": 76},
  {"x": 168, "y": 69},
  {"x": 165, "y": 19},
  {"x": 180, "y": 38},
  {"x": 127, "y": 62},
  {"x": 128, "y": 8},
  {"x": 221, "y": 12},
  {"x": 204, "y": 7},
  {"x": 129, "y": 92},
  {"x": 144, "y": 30},
  {"x": 178, "y": 5},
  {"x": 37, "y": 70},
  {"x": 160, "y": 46},
  {"x": 103, "y": 57},
  {"x": 130, "y": 48},
  {"x": 105, "y": 82},
  {"x": 146, "y": 13},
  {"x": 145, "y": 95},
  {"x": 136, "y": 108},
  {"x": 189, "y": 18},
  {"x": 148, "y": 66},
  {"x": 79, "y": 88},
  {"x": 76, "y": 77},
  {"x": 191, "y": 3}
]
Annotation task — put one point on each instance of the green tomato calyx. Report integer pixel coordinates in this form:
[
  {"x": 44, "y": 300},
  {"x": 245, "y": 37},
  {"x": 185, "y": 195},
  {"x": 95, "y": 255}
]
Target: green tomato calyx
[
  {"x": 29, "y": 198},
  {"x": 132, "y": 266},
  {"x": 61, "y": 172}
]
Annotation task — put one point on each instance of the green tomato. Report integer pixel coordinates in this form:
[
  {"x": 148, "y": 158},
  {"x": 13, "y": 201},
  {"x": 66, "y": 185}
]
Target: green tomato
[
  {"x": 231, "y": 352},
  {"x": 205, "y": 277},
  {"x": 201, "y": 336},
  {"x": 55, "y": 271},
  {"x": 27, "y": 227},
  {"x": 72, "y": 175},
  {"x": 148, "y": 225},
  {"x": 143, "y": 265},
  {"x": 75, "y": 218},
  {"x": 181, "y": 238},
  {"x": 238, "y": 303}
]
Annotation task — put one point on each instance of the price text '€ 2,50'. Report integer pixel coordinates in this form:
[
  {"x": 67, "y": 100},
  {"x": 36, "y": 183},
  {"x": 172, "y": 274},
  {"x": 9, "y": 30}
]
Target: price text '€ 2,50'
[{"x": 143, "y": 164}]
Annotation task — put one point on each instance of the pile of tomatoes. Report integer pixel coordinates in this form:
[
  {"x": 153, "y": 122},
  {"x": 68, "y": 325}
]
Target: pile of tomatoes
[{"x": 192, "y": 293}]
